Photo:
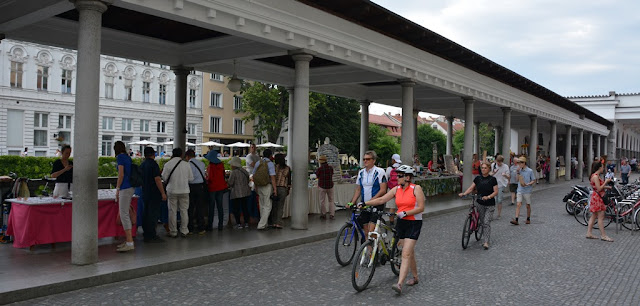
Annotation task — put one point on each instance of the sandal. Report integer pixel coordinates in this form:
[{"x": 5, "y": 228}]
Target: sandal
[
  {"x": 591, "y": 237},
  {"x": 606, "y": 238},
  {"x": 413, "y": 281},
  {"x": 397, "y": 288}
]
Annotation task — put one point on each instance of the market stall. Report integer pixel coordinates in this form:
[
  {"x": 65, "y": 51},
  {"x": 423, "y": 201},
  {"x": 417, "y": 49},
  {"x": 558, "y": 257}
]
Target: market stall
[
  {"x": 44, "y": 220},
  {"x": 342, "y": 193},
  {"x": 439, "y": 185}
]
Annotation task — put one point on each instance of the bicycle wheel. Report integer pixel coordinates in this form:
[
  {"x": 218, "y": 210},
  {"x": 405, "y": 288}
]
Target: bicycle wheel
[
  {"x": 363, "y": 267},
  {"x": 569, "y": 205},
  {"x": 636, "y": 217},
  {"x": 479, "y": 231},
  {"x": 579, "y": 210},
  {"x": 609, "y": 215},
  {"x": 466, "y": 232},
  {"x": 627, "y": 220},
  {"x": 396, "y": 257},
  {"x": 346, "y": 244}
]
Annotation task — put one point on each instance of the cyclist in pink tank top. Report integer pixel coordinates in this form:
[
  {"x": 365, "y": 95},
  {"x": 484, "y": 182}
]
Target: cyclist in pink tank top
[{"x": 410, "y": 201}]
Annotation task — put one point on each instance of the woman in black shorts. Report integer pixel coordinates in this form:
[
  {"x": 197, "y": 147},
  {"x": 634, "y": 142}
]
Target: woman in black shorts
[
  {"x": 410, "y": 201},
  {"x": 487, "y": 188}
]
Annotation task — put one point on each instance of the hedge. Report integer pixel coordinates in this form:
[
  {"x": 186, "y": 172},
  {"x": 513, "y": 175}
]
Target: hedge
[{"x": 39, "y": 167}]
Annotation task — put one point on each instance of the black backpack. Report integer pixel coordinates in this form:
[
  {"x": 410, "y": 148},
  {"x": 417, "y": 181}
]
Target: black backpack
[{"x": 135, "y": 177}]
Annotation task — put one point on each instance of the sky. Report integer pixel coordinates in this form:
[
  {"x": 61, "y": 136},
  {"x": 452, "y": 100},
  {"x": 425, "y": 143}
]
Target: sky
[{"x": 572, "y": 47}]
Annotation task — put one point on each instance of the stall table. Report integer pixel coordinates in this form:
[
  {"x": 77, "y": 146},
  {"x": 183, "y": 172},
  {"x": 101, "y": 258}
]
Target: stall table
[
  {"x": 440, "y": 185},
  {"x": 34, "y": 221}
]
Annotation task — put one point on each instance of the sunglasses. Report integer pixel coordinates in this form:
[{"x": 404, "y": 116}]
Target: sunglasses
[
  {"x": 400, "y": 175},
  {"x": 367, "y": 158}
]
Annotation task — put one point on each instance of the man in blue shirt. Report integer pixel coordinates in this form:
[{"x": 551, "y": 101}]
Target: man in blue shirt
[
  {"x": 526, "y": 179},
  {"x": 371, "y": 183}
]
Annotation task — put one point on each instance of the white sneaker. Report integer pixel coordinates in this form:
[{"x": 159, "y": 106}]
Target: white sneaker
[
  {"x": 238, "y": 226},
  {"x": 126, "y": 248},
  {"x": 121, "y": 245}
]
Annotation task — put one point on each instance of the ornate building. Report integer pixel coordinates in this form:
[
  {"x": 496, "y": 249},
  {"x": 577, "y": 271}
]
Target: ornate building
[{"x": 37, "y": 88}]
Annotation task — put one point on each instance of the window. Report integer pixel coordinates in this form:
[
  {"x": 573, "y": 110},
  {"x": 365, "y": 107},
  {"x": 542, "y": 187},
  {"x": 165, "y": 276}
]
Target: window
[
  {"x": 216, "y": 77},
  {"x": 281, "y": 140},
  {"x": 127, "y": 124},
  {"x": 237, "y": 103},
  {"x": 192, "y": 98},
  {"x": 127, "y": 140},
  {"x": 15, "y": 128},
  {"x": 215, "y": 100},
  {"x": 238, "y": 126},
  {"x": 41, "y": 153},
  {"x": 215, "y": 125},
  {"x": 40, "y": 125},
  {"x": 191, "y": 129},
  {"x": 16, "y": 75},
  {"x": 146, "y": 91},
  {"x": 66, "y": 81},
  {"x": 128, "y": 90},
  {"x": 162, "y": 127},
  {"x": 162, "y": 98},
  {"x": 191, "y": 140},
  {"x": 107, "y": 123},
  {"x": 146, "y": 63},
  {"x": 107, "y": 144},
  {"x": 108, "y": 88},
  {"x": 64, "y": 126},
  {"x": 43, "y": 78},
  {"x": 144, "y": 125}
]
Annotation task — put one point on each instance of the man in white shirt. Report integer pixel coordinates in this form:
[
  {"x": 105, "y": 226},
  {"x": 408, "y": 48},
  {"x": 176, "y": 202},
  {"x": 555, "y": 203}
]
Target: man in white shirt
[
  {"x": 251, "y": 160},
  {"x": 502, "y": 174},
  {"x": 177, "y": 174},
  {"x": 371, "y": 183},
  {"x": 265, "y": 191}
]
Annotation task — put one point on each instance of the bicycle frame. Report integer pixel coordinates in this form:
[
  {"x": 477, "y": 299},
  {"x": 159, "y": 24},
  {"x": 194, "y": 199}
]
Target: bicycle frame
[
  {"x": 375, "y": 237},
  {"x": 475, "y": 215},
  {"x": 354, "y": 222}
]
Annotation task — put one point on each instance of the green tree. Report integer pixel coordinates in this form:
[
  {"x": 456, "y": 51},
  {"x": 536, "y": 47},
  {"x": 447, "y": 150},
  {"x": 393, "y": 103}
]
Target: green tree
[
  {"x": 384, "y": 144},
  {"x": 269, "y": 104},
  {"x": 487, "y": 138},
  {"x": 426, "y": 136},
  {"x": 337, "y": 118}
]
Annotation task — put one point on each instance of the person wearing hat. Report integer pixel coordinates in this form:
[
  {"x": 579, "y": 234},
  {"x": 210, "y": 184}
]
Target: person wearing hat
[
  {"x": 526, "y": 180},
  {"x": 240, "y": 191},
  {"x": 152, "y": 195},
  {"x": 216, "y": 186},
  {"x": 392, "y": 181},
  {"x": 324, "y": 173}
]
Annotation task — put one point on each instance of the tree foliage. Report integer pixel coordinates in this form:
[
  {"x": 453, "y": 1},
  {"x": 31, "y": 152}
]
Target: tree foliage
[
  {"x": 426, "y": 136},
  {"x": 487, "y": 139},
  {"x": 384, "y": 144},
  {"x": 267, "y": 103},
  {"x": 336, "y": 118}
]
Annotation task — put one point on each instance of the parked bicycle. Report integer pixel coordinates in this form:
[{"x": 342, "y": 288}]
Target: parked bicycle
[
  {"x": 473, "y": 223},
  {"x": 348, "y": 237},
  {"x": 376, "y": 250}
]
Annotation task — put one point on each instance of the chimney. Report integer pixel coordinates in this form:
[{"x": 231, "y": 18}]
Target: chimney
[{"x": 612, "y": 93}]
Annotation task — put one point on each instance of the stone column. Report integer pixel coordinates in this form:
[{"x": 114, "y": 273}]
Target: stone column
[
  {"x": 579, "y": 171},
  {"x": 300, "y": 152},
  {"x": 567, "y": 155},
  {"x": 84, "y": 223},
  {"x": 589, "y": 153},
  {"x": 364, "y": 129},
  {"x": 598, "y": 146},
  {"x": 496, "y": 139},
  {"x": 506, "y": 133},
  {"x": 612, "y": 143},
  {"x": 449, "y": 135},
  {"x": 468, "y": 144},
  {"x": 180, "y": 114},
  {"x": 533, "y": 142},
  {"x": 415, "y": 133},
  {"x": 407, "y": 139},
  {"x": 476, "y": 139},
  {"x": 290, "y": 127},
  {"x": 605, "y": 144},
  {"x": 552, "y": 152}
]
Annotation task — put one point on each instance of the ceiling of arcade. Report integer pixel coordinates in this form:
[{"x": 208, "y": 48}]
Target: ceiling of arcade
[{"x": 133, "y": 31}]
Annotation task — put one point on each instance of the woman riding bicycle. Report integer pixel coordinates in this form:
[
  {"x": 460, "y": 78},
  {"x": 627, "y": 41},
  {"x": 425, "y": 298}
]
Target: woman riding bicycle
[
  {"x": 487, "y": 187},
  {"x": 410, "y": 201}
]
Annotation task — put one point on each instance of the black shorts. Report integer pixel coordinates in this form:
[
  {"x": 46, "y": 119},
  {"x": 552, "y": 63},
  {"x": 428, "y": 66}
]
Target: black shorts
[
  {"x": 408, "y": 229},
  {"x": 513, "y": 187},
  {"x": 365, "y": 217}
]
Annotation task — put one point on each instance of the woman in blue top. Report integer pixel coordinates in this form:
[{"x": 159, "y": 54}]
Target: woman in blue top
[{"x": 124, "y": 193}]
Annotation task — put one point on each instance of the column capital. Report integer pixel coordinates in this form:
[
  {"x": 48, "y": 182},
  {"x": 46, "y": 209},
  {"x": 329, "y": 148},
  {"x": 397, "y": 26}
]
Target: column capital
[
  {"x": 407, "y": 82},
  {"x": 181, "y": 70},
  {"x": 365, "y": 102},
  {"x": 533, "y": 116},
  {"x": 468, "y": 100},
  {"x": 450, "y": 118},
  {"x": 506, "y": 109},
  {"x": 302, "y": 55},
  {"x": 94, "y": 5}
]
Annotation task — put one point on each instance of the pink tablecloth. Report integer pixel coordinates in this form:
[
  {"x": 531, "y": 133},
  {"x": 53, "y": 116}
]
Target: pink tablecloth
[{"x": 50, "y": 223}]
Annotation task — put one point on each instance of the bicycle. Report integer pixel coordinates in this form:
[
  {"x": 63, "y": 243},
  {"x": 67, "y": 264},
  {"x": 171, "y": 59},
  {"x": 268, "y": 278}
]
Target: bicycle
[
  {"x": 375, "y": 251},
  {"x": 472, "y": 224},
  {"x": 347, "y": 238}
]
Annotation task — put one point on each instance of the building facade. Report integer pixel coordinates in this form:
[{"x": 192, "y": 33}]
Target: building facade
[
  {"x": 37, "y": 101},
  {"x": 221, "y": 118}
]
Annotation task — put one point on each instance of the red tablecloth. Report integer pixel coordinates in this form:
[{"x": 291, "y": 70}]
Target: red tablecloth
[{"x": 50, "y": 223}]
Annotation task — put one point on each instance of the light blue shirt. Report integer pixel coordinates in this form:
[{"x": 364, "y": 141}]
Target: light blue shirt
[
  {"x": 514, "y": 174},
  {"x": 527, "y": 177},
  {"x": 197, "y": 167}
]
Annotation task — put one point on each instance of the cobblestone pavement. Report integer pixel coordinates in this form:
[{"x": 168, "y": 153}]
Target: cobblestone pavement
[{"x": 548, "y": 262}]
